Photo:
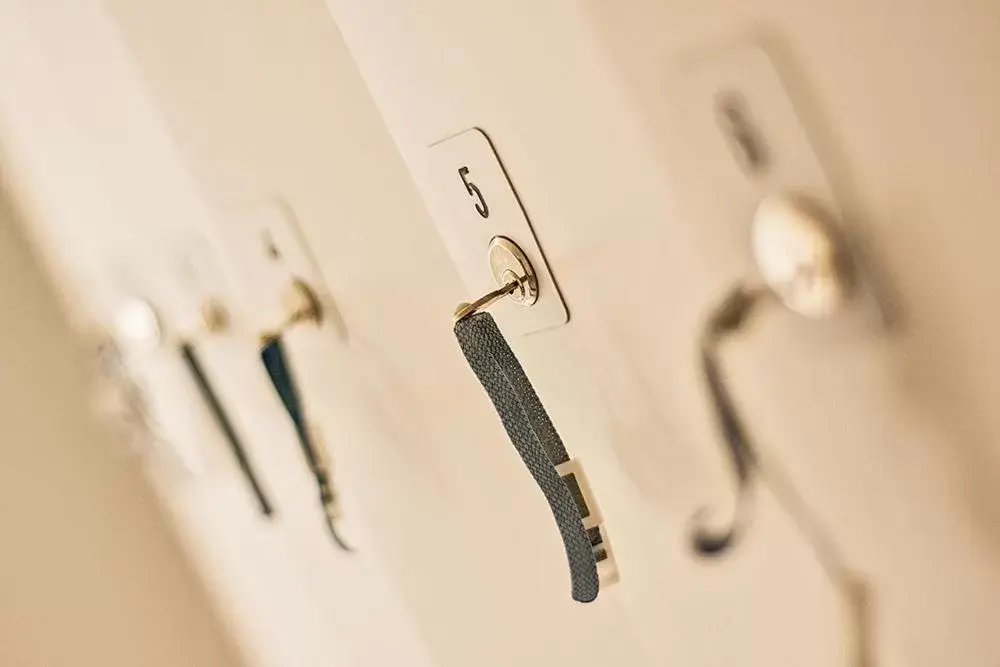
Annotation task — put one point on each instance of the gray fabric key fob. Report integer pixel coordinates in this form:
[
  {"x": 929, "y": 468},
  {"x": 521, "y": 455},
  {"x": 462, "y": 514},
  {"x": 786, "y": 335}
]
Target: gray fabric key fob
[{"x": 540, "y": 447}]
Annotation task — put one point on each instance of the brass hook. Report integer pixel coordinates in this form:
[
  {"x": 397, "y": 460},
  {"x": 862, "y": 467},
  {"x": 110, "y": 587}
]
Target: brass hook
[
  {"x": 804, "y": 265},
  {"x": 729, "y": 318}
]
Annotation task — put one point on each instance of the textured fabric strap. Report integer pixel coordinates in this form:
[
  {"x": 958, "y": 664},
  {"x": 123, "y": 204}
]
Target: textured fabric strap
[
  {"x": 222, "y": 419},
  {"x": 533, "y": 436},
  {"x": 275, "y": 361}
]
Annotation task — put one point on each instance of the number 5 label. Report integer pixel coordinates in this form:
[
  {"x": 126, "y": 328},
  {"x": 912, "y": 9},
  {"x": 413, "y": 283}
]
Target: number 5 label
[
  {"x": 481, "y": 206},
  {"x": 474, "y": 202}
]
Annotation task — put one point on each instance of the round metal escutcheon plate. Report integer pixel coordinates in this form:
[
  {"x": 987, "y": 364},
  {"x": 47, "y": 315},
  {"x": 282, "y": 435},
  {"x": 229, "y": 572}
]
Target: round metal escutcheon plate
[{"x": 508, "y": 262}]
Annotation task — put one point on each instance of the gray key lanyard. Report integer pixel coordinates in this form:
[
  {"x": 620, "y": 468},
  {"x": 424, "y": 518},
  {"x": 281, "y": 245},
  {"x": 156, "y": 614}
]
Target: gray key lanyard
[
  {"x": 532, "y": 433},
  {"x": 536, "y": 441}
]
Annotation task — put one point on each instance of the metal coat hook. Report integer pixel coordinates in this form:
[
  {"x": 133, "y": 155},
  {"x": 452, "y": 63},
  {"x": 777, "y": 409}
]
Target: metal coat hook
[
  {"x": 302, "y": 306},
  {"x": 805, "y": 267},
  {"x": 729, "y": 318}
]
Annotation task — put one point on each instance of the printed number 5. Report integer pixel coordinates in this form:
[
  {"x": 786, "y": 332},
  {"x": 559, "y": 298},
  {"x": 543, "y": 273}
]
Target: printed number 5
[{"x": 481, "y": 207}]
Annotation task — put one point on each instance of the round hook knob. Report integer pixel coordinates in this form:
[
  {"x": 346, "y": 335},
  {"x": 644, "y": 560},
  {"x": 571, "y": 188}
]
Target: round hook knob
[{"x": 800, "y": 256}]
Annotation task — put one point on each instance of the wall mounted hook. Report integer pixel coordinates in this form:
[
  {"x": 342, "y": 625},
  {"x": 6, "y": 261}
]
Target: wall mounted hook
[{"x": 806, "y": 267}]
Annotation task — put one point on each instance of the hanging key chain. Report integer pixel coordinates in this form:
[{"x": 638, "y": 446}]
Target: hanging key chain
[
  {"x": 302, "y": 307},
  {"x": 559, "y": 477}
]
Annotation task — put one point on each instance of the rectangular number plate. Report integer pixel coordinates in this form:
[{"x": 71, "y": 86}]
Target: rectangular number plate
[{"x": 478, "y": 202}]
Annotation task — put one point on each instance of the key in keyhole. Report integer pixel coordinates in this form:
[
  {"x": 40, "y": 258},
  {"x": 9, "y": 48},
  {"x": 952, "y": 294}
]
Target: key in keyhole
[{"x": 743, "y": 137}]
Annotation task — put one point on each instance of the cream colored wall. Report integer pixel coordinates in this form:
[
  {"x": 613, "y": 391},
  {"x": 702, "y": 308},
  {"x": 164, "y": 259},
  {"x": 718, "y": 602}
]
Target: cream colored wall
[
  {"x": 889, "y": 439},
  {"x": 91, "y": 572},
  {"x": 103, "y": 181}
]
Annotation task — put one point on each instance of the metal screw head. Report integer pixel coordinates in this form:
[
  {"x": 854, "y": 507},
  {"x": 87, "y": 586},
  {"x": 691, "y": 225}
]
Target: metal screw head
[{"x": 800, "y": 257}]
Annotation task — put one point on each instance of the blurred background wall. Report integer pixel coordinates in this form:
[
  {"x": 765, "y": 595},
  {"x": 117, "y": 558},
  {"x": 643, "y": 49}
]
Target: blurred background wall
[{"x": 91, "y": 571}]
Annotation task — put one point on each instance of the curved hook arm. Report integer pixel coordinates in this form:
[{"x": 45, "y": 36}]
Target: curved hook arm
[{"x": 731, "y": 315}]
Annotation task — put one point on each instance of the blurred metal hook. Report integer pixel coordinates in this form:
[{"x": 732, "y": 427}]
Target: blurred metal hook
[
  {"x": 729, "y": 318},
  {"x": 804, "y": 265}
]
